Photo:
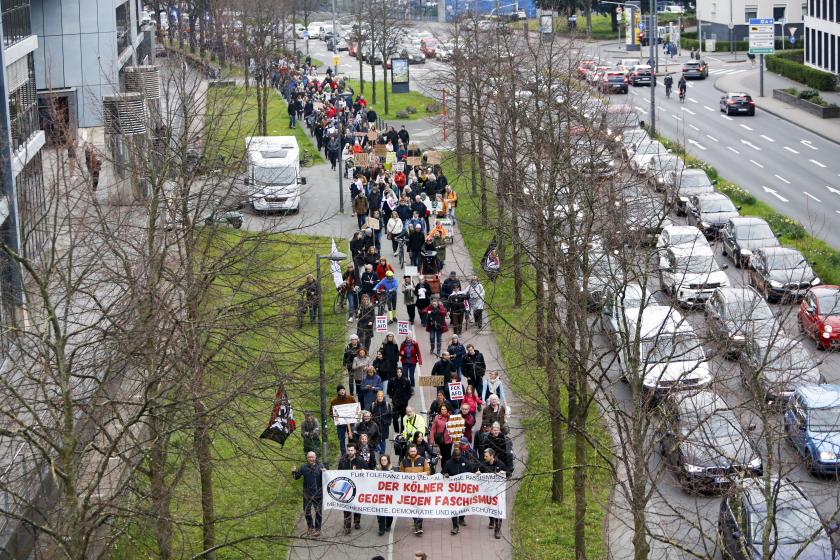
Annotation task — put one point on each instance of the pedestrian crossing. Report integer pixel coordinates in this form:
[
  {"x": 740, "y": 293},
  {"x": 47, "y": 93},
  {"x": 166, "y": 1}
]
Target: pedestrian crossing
[{"x": 726, "y": 71}]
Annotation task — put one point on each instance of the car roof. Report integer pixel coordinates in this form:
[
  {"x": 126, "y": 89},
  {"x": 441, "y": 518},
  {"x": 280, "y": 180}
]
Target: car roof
[
  {"x": 785, "y": 494},
  {"x": 737, "y": 94},
  {"x": 703, "y": 402},
  {"x": 714, "y": 195},
  {"x": 773, "y": 251},
  {"x": 737, "y": 293},
  {"x": 747, "y": 221},
  {"x": 693, "y": 171},
  {"x": 819, "y": 396},
  {"x": 657, "y": 320},
  {"x": 691, "y": 250},
  {"x": 677, "y": 228}
]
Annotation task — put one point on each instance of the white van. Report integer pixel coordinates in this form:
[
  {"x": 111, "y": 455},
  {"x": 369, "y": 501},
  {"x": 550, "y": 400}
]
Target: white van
[
  {"x": 314, "y": 29},
  {"x": 273, "y": 178}
]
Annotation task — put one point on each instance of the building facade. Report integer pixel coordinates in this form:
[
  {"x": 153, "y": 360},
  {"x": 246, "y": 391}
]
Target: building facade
[
  {"x": 718, "y": 15},
  {"x": 822, "y": 35},
  {"x": 84, "y": 46}
]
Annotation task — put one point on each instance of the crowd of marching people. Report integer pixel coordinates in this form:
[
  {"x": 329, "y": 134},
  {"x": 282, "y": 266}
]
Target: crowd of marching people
[{"x": 465, "y": 429}]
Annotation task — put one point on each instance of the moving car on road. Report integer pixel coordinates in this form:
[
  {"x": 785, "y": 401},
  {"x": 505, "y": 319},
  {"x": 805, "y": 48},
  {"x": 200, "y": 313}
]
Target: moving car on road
[
  {"x": 773, "y": 371},
  {"x": 697, "y": 69},
  {"x": 613, "y": 82},
  {"x": 737, "y": 316},
  {"x": 702, "y": 440},
  {"x": 781, "y": 274},
  {"x": 819, "y": 316},
  {"x": 710, "y": 212},
  {"x": 790, "y": 528},
  {"x": 690, "y": 274},
  {"x": 737, "y": 104},
  {"x": 812, "y": 423},
  {"x": 428, "y": 46},
  {"x": 743, "y": 235},
  {"x": 641, "y": 74}
]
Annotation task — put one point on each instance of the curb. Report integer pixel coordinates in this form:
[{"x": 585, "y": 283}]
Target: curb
[{"x": 781, "y": 116}]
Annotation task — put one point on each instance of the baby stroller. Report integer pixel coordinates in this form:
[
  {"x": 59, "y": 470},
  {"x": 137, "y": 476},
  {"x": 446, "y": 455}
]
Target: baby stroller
[
  {"x": 429, "y": 264},
  {"x": 491, "y": 262}
]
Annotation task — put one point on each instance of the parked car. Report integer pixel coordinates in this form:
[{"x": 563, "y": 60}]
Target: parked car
[
  {"x": 690, "y": 274},
  {"x": 644, "y": 152},
  {"x": 644, "y": 217},
  {"x": 596, "y": 73},
  {"x": 675, "y": 235},
  {"x": 819, "y": 316},
  {"x": 339, "y": 44},
  {"x": 445, "y": 51},
  {"x": 605, "y": 271},
  {"x": 624, "y": 300},
  {"x": 695, "y": 69},
  {"x": 738, "y": 315},
  {"x": 743, "y": 235},
  {"x": 812, "y": 423},
  {"x": 414, "y": 55},
  {"x": 613, "y": 82},
  {"x": 689, "y": 182},
  {"x": 781, "y": 274},
  {"x": 738, "y": 104},
  {"x": 702, "y": 440},
  {"x": 300, "y": 29},
  {"x": 710, "y": 212},
  {"x": 792, "y": 531},
  {"x": 631, "y": 138},
  {"x": 660, "y": 167},
  {"x": 585, "y": 67},
  {"x": 641, "y": 74},
  {"x": 772, "y": 371}
]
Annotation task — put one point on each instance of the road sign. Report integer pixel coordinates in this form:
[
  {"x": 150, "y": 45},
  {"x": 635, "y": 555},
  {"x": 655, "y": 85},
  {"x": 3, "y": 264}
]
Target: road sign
[
  {"x": 792, "y": 30},
  {"x": 792, "y": 40},
  {"x": 306, "y": 35},
  {"x": 731, "y": 26},
  {"x": 762, "y": 36},
  {"x": 618, "y": 10},
  {"x": 336, "y": 60}
]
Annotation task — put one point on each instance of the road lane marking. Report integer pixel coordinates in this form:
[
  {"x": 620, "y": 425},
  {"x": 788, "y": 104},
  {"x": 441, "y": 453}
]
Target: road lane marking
[
  {"x": 696, "y": 143},
  {"x": 727, "y": 117},
  {"x": 750, "y": 144},
  {"x": 689, "y": 111},
  {"x": 831, "y": 189},
  {"x": 694, "y": 127},
  {"x": 807, "y": 143},
  {"x": 767, "y": 138},
  {"x": 782, "y": 179},
  {"x": 815, "y": 162},
  {"x": 773, "y": 192},
  {"x": 712, "y": 138},
  {"x": 731, "y": 149},
  {"x": 746, "y": 127},
  {"x": 752, "y": 161},
  {"x": 791, "y": 150},
  {"x": 676, "y": 117},
  {"x": 642, "y": 110},
  {"x": 708, "y": 108},
  {"x": 693, "y": 100},
  {"x": 811, "y": 196}
]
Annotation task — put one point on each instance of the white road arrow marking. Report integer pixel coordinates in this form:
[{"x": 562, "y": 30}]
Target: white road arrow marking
[
  {"x": 731, "y": 149},
  {"x": 641, "y": 110},
  {"x": 774, "y": 193},
  {"x": 694, "y": 127},
  {"x": 696, "y": 143},
  {"x": 811, "y": 196},
  {"x": 767, "y": 138},
  {"x": 752, "y": 161},
  {"x": 791, "y": 150},
  {"x": 807, "y": 143},
  {"x": 676, "y": 117},
  {"x": 832, "y": 190},
  {"x": 815, "y": 162},
  {"x": 712, "y": 138},
  {"x": 746, "y": 127},
  {"x": 782, "y": 179},
  {"x": 750, "y": 144},
  {"x": 727, "y": 117},
  {"x": 693, "y": 100}
]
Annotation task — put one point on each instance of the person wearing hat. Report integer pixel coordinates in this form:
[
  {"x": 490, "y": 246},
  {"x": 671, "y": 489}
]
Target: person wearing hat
[
  {"x": 449, "y": 286},
  {"x": 389, "y": 285},
  {"x": 345, "y": 431}
]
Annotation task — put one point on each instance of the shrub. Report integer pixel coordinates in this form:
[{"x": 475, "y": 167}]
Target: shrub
[
  {"x": 797, "y": 71},
  {"x": 410, "y": 109},
  {"x": 808, "y": 93},
  {"x": 433, "y": 108},
  {"x": 402, "y": 114}
]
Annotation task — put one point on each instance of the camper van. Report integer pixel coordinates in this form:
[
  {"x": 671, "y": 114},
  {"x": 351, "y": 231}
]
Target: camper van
[{"x": 273, "y": 178}]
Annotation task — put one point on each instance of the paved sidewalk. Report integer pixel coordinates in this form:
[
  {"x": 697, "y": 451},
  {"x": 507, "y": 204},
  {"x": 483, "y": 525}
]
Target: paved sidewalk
[
  {"x": 475, "y": 540},
  {"x": 748, "y": 83}
]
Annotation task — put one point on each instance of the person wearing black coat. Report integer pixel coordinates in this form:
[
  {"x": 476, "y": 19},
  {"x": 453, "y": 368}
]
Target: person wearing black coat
[
  {"x": 350, "y": 352},
  {"x": 391, "y": 354},
  {"x": 500, "y": 444},
  {"x": 425, "y": 449},
  {"x": 423, "y": 296},
  {"x": 364, "y": 326},
  {"x": 351, "y": 462},
  {"x": 458, "y": 464},
  {"x": 403, "y": 135},
  {"x": 490, "y": 463},
  {"x": 416, "y": 240},
  {"x": 474, "y": 368},
  {"x": 382, "y": 413},
  {"x": 400, "y": 392},
  {"x": 312, "y": 492}
]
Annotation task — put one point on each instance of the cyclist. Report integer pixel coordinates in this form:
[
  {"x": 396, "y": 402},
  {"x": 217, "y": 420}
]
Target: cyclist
[
  {"x": 682, "y": 87},
  {"x": 669, "y": 83},
  {"x": 389, "y": 286}
]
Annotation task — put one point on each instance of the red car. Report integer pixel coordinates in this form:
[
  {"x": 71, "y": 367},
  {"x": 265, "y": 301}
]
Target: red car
[
  {"x": 428, "y": 47},
  {"x": 585, "y": 67},
  {"x": 819, "y": 316}
]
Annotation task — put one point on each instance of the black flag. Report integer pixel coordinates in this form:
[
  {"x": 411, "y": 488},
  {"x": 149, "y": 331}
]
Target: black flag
[{"x": 282, "y": 422}]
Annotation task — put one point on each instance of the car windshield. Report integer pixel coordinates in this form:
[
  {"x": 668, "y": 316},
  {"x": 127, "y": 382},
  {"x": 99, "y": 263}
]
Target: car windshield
[
  {"x": 829, "y": 303},
  {"x": 753, "y": 231},
  {"x": 716, "y": 205},
  {"x": 633, "y": 137},
  {"x": 785, "y": 261},
  {"x": 694, "y": 180},
  {"x": 788, "y": 526},
  {"x": 824, "y": 419},
  {"x": 696, "y": 264},
  {"x": 275, "y": 175},
  {"x": 671, "y": 348},
  {"x": 754, "y": 309}
]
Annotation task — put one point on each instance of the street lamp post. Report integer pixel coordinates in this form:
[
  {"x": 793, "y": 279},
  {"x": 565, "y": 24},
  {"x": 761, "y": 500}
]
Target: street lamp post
[
  {"x": 653, "y": 38},
  {"x": 334, "y": 256}
]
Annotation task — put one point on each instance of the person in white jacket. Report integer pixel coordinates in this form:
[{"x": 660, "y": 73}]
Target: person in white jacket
[
  {"x": 393, "y": 228},
  {"x": 476, "y": 297}
]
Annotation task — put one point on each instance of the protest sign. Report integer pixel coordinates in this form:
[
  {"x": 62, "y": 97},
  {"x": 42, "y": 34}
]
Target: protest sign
[
  {"x": 413, "y": 148},
  {"x": 401, "y": 494},
  {"x": 430, "y": 380},
  {"x": 456, "y": 391},
  {"x": 381, "y": 323},
  {"x": 413, "y": 161},
  {"x": 372, "y": 135},
  {"x": 349, "y": 413},
  {"x": 399, "y": 166},
  {"x": 372, "y": 223},
  {"x": 411, "y": 271},
  {"x": 380, "y": 150},
  {"x": 402, "y": 328},
  {"x": 361, "y": 160},
  {"x": 390, "y": 157},
  {"x": 433, "y": 158}
]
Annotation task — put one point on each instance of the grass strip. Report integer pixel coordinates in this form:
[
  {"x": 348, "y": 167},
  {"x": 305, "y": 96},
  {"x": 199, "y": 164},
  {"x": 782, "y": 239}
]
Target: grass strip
[{"x": 398, "y": 103}]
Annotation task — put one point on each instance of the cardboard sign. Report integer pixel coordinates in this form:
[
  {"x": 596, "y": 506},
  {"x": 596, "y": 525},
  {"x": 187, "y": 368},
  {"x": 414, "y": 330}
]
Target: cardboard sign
[
  {"x": 360, "y": 134},
  {"x": 380, "y": 150},
  {"x": 372, "y": 135},
  {"x": 344, "y": 414},
  {"x": 413, "y": 161},
  {"x": 411, "y": 271},
  {"x": 431, "y": 381},
  {"x": 361, "y": 160},
  {"x": 381, "y": 323},
  {"x": 433, "y": 158},
  {"x": 399, "y": 166},
  {"x": 456, "y": 391},
  {"x": 390, "y": 157},
  {"x": 402, "y": 328},
  {"x": 413, "y": 148},
  {"x": 373, "y": 223}
]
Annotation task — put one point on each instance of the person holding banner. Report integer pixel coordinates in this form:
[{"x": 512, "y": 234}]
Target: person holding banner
[
  {"x": 344, "y": 430},
  {"x": 414, "y": 463},
  {"x": 400, "y": 393},
  {"x": 312, "y": 492},
  {"x": 458, "y": 464},
  {"x": 351, "y": 462},
  {"x": 491, "y": 464},
  {"x": 384, "y": 521}
]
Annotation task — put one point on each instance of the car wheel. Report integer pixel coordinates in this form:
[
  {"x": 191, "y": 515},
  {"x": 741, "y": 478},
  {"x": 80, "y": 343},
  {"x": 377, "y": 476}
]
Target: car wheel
[
  {"x": 818, "y": 344},
  {"x": 809, "y": 464},
  {"x": 737, "y": 258},
  {"x": 799, "y": 323},
  {"x": 752, "y": 113}
]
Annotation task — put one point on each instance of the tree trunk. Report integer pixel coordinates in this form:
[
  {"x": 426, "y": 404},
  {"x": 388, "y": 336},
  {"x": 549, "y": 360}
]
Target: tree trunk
[
  {"x": 482, "y": 185},
  {"x": 581, "y": 460},
  {"x": 385, "y": 86},
  {"x": 588, "y": 8},
  {"x": 193, "y": 19},
  {"x": 373, "y": 81},
  {"x": 517, "y": 257},
  {"x": 554, "y": 381},
  {"x": 361, "y": 71},
  {"x": 459, "y": 131},
  {"x": 159, "y": 491},
  {"x": 539, "y": 318},
  {"x": 205, "y": 470}
]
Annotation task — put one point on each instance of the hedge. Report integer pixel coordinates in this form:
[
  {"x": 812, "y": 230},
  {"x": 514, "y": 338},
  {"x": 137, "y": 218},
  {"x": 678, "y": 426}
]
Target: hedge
[
  {"x": 688, "y": 40},
  {"x": 791, "y": 66}
]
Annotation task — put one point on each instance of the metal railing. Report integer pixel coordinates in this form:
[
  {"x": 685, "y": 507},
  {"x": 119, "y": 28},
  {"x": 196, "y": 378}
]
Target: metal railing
[{"x": 16, "y": 22}]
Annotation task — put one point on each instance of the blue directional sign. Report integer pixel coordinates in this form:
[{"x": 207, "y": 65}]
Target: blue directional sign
[
  {"x": 792, "y": 40},
  {"x": 761, "y": 21}
]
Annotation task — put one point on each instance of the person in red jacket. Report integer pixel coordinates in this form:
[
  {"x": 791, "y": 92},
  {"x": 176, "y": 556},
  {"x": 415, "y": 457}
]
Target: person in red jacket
[
  {"x": 399, "y": 180},
  {"x": 382, "y": 268},
  {"x": 410, "y": 357},
  {"x": 439, "y": 434},
  {"x": 436, "y": 325}
]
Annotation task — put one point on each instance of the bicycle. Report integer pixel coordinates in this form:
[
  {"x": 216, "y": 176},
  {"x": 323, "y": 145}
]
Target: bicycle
[
  {"x": 381, "y": 302},
  {"x": 682, "y": 96},
  {"x": 668, "y": 91},
  {"x": 401, "y": 240}
]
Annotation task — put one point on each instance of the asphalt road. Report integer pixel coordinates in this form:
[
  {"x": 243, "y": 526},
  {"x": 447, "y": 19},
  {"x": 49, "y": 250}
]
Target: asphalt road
[{"x": 786, "y": 166}]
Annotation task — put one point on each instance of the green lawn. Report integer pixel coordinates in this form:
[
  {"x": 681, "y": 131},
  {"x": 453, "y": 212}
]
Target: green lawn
[
  {"x": 541, "y": 530},
  {"x": 232, "y": 116},
  {"x": 254, "y": 491},
  {"x": 396, "y": 101}
]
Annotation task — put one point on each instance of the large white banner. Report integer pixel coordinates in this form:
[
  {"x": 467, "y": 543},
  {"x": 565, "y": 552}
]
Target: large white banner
[{"x": 414, "y": 495}]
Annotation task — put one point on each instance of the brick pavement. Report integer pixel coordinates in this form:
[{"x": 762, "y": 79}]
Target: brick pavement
[{"x": 474, "y": 541}]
